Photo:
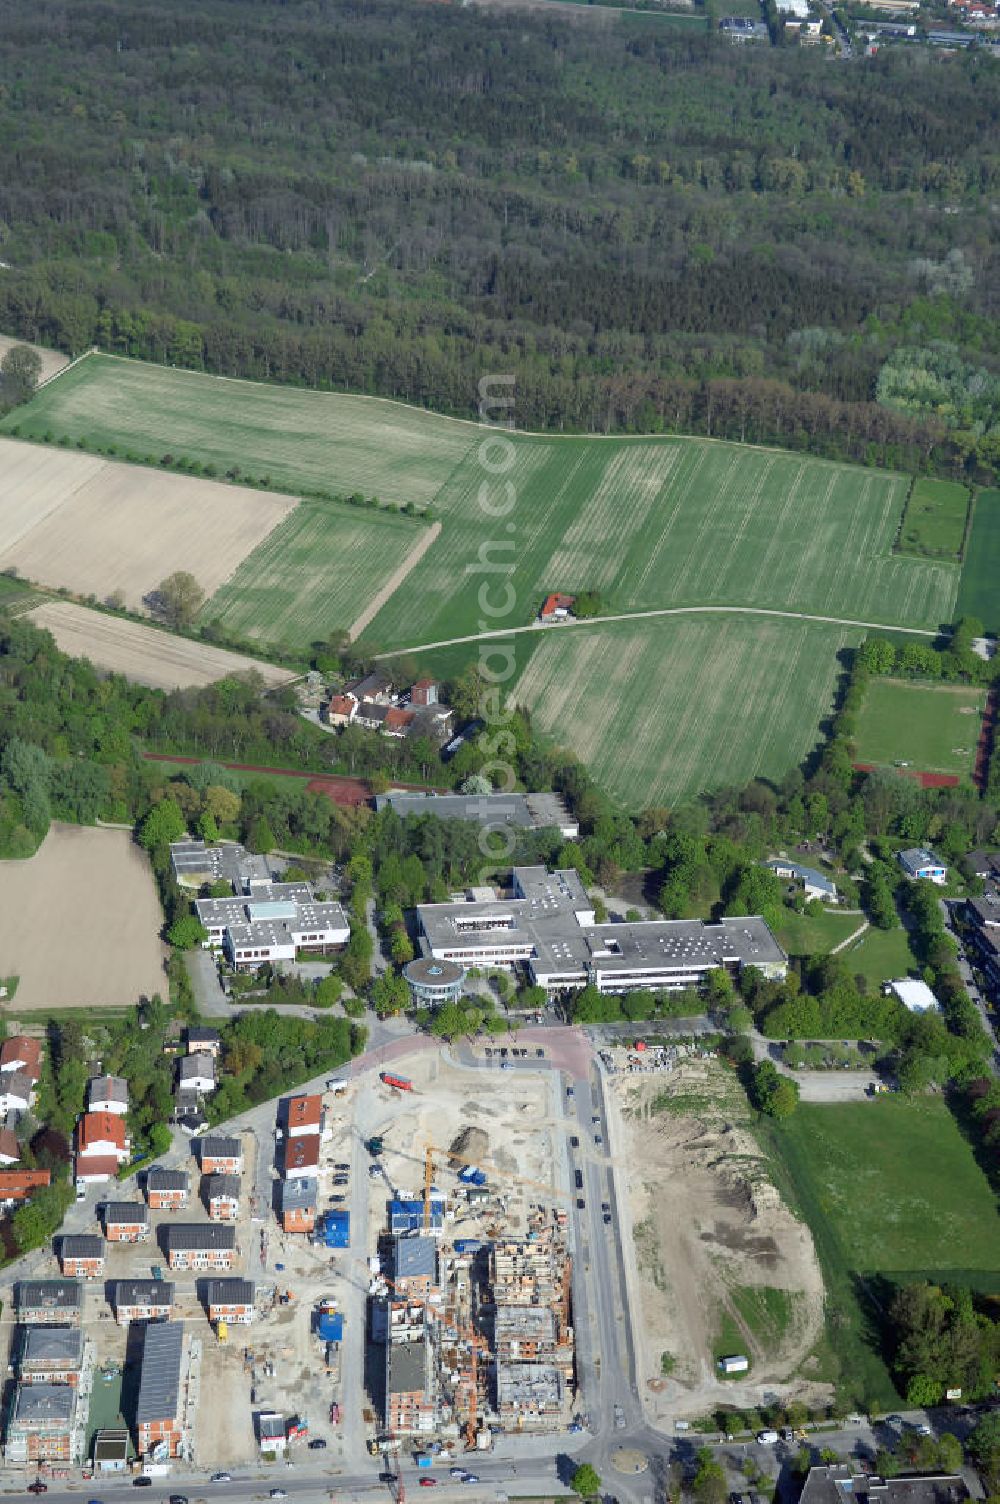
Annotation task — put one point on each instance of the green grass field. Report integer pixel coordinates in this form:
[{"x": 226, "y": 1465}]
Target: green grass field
[
  {"x": 978, "y": 594},
  {"x": 801, "y": 935},
  {"x": 935, "y": 518},
  {"x": 670, "y": 522},
  {"x": 932, "y": 727},
  {"x": 648, "y": 522},
  {"x": 888, "y": 1188},
  {"x": 881, "y": 955},
  {"x": 665, "y": 708},
  {"x": 301, "y": 439},
  {"x": 316, "y": 570}
]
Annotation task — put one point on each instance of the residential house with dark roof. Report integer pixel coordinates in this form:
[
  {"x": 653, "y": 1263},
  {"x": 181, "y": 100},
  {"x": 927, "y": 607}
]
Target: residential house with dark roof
[
  {"x": 10, "y": 1149},
  {"x": 126, "y": 1221},
  {"x": 200, "y": 1039},
  {"x": 141, "y": 1300},
  {"x": 297, "y": 1200},
  {"x": 196, "y": 1072},
  {"x": 17, "y": 1092},
  {"x": 221, "y": 1195},
  {"x": 42, "y": 1425},
  {"x": 108, "y": 1094},
  {"x": 195, "y": 1245},
  {"x": 230, "y": 1300},
  {"x": 48, "y": 1302},
  {"x": 167, "y": 1190},
  {"x": 159, "y": 1408},
  {"x": 81, "y": 1255},
  {"x": 220, "y": 1155}
]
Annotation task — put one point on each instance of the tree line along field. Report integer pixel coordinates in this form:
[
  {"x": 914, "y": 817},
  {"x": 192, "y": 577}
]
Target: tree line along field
[
  {"x": 933, "y": 728},
  {"x": 647, "y": 522},
  {"x": 934, "y": 521},
  {"x": 301, "y": 439},
  {"x": 660, "y": 710}
]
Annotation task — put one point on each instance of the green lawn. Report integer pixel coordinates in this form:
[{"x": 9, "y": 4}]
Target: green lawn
[
  {"x": 662, "y": 709},
  {"x": 889, "y": 1188},
  {"x": 314, "y": 572},
  {"x": 881, "y": 955},
  {"x": 935, "y": 518},
  {"x": 898, "y": 1184},
  {"x": 978, "y": 594},
  {"x": 930, "y": 727},
  {"x": 801, "y": 935}
]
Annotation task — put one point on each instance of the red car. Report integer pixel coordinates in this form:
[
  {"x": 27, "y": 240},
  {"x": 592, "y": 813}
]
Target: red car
[
  {"x": 427, "y": 1482},
  {"x": 38, "y": 1487}
]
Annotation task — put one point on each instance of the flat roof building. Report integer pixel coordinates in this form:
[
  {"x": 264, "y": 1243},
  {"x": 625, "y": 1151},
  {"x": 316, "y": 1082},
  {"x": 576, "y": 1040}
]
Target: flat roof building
[
  {"x": 410, "y": 1395},
  {"x": 915, "y": 995},
  {"x": 272, "y": 921},
  {"x": 50, "y": 1355},
  {"x": 917, "y": 862},
  {"x": 548, "y": 923},
  {"x": 493, "y": 811},
  {"x": 42, "y": 1424}
]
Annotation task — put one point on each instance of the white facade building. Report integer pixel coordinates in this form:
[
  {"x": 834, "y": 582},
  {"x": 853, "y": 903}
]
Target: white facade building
[{"x": 548, "y": 924}]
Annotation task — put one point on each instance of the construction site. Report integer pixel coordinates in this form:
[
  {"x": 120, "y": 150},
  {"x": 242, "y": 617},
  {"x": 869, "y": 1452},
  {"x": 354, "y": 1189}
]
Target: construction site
[{"x": 470, "y": 1308}]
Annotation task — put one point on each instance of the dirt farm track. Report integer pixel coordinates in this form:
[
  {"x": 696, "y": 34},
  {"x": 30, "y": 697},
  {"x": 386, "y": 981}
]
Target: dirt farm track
[{"x": 80, "y": 922}]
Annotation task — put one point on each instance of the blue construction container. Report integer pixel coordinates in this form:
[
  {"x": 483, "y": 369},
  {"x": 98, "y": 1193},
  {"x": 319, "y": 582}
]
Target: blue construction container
[
  {"x": 468, "y": 1245},
  {"x": 336, "y": 1229},
  {"x": 330, "y": 1326}
]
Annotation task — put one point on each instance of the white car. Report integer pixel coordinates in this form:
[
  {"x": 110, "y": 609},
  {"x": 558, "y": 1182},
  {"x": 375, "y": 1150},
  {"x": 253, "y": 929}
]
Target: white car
[
  {"x": 767, "y": 1438},
  {"x": 221, "y": 1478}
]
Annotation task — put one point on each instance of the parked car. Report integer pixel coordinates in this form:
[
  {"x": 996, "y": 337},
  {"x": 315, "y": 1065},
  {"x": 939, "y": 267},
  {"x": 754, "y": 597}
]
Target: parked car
[
  {"x": 505, "y": 1065},
  {"x": 317, "y": 1444},
  {"x": 767, "y": 1438},
  {"x": 574, "y": 1142},
  {"x": 38, "y": 1487},
  {"x": 427, "y": 1482},
  {"x": 221, "y": 1478},
  {"x": 178, "y": 1499},
  {"x": 142, "y": 1482},
  {"x": 277, "y": 1493},
  {"x": 343, "y": 1167},
  {"x": 470, "y": 1477}
]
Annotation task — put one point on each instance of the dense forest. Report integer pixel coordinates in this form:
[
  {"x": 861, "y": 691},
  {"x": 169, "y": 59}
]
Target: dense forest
[{"x": 649, "y": 227}]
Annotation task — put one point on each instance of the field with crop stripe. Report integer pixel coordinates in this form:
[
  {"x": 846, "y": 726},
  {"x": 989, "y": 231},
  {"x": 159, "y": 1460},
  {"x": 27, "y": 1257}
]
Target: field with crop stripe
[
  {"x": 663, "y": 709},
  {"x": 300, "y": 439},
  {"x": 670, "y": 522},
  {"x": 647, "y": 522},
  {"x": 314, "y": 573}
]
